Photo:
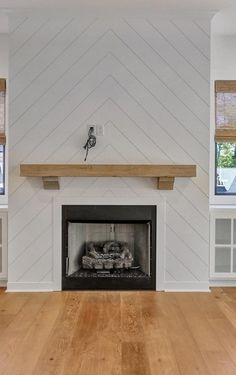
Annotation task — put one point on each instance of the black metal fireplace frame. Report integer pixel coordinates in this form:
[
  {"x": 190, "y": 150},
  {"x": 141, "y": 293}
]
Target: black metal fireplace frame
[{"x": 106, "y": 214}]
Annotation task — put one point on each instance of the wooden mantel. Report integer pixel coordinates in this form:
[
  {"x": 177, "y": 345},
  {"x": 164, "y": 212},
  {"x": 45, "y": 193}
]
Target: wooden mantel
[{"x": 165, "y": 174}]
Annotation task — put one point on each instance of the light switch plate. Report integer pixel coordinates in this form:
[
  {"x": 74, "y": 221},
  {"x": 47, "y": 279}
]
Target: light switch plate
[{"x": 99, "y": 130}]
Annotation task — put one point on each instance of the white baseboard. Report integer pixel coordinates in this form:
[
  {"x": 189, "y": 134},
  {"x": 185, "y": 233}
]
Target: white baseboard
[
  {"x": 172, "y": 286},
  {"x": 30, "y": 287},
  {"x": 222, "y": 283},
  {"x": 49, "y": 287}
]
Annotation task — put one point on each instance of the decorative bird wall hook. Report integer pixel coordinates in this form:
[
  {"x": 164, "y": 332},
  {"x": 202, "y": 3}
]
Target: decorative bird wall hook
[{"x": 91, "y": 141}]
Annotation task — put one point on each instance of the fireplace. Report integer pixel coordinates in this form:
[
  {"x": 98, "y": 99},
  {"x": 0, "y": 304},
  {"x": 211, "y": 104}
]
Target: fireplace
[{"x": 106, "y": 247}]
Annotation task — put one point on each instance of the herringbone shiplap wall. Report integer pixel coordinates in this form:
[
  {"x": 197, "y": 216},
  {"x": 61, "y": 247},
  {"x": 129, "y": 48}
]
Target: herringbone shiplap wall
[{"x": 147, "y": 81}]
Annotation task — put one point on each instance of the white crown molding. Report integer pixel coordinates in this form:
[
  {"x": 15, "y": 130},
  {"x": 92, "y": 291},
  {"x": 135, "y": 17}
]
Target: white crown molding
[{"x": 112, "y": 13}]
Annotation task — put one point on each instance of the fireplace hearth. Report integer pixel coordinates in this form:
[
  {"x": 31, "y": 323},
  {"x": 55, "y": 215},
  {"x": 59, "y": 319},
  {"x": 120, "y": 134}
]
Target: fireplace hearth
[{"x": 108, "y": 247}]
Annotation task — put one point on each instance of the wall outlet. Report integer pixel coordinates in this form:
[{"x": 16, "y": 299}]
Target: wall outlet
[{"x": 99, "y": 130}]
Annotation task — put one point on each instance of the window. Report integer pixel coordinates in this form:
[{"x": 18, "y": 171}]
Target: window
[
  {"x": 225, "y": 168},
  {"x": 225, "y": 138}
]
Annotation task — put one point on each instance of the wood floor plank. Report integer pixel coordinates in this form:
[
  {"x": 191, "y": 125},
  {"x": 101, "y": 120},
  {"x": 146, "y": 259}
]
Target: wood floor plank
[
  {"x": 131, "y": 317},
  {"x": 96, "y": 344},
  {"x": 134, "y": 359},
  {"x": 186, "y": 350},
  {"x": 158, "y": 346},
  {"x": 51, "y": 360}
]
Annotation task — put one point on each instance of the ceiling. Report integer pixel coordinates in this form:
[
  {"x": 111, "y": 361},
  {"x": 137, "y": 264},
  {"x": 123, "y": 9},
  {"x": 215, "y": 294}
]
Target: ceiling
[{"x": 132, "y": 5}]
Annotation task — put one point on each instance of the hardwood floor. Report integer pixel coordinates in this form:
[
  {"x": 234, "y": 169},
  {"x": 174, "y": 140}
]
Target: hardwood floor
[{"x": 118, "y": 333}]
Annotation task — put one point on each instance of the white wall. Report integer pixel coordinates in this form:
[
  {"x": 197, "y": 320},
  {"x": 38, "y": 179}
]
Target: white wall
[
  {"x": 223, "y": 39},
  {"x": 4, "y": 63},
  {"x": 224, "y": 56},
  {"x": 147, "y": 81}
]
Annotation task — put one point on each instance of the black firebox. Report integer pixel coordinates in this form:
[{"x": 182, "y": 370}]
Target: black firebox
[{"x": 108, "y": 247}]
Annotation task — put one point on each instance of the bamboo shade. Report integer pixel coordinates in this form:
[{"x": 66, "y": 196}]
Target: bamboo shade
[
  {"x": 225, "y": 108},
  {"x": 225, "y": 86},
  {"x": 222, "y": 135}
]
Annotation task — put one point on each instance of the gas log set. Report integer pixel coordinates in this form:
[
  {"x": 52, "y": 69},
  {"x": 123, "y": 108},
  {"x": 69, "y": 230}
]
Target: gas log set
[{"x": 107, "y": 255}]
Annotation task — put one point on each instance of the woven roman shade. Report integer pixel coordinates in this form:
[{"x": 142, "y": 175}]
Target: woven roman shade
[
  {"x": 2, "y": 111},
  {"x": 225, "y": 110}
]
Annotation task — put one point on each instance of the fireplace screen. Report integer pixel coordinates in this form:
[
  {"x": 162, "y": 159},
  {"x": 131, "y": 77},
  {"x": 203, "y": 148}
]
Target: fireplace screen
[{"x": 108, "y": 249}]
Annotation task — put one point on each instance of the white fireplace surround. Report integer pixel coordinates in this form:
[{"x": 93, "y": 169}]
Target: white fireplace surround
[
  {"x": 161, "y": 249},
  {"x": 57, "y": 227}
]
